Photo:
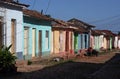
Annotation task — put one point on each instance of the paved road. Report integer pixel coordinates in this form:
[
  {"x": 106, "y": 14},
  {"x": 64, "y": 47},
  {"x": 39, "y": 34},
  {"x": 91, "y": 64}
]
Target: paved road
[
  {"x": 105, "y": 66},
  {"x": 111, "y": 70}
]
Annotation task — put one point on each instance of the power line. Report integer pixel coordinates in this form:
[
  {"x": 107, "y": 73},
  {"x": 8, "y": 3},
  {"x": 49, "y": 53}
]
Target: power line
[
  {"x": 115, "y": 21},
  {"x": 34, "y": 4},
  {"x": 105, "y": 19},
  {"x": 48, "y": 6}
]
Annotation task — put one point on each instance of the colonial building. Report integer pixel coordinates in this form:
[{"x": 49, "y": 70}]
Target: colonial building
[
  {"x": 81, "y": 38},
  {"x": 11, "y": 25},
  {"x": 37, "y": 34}
]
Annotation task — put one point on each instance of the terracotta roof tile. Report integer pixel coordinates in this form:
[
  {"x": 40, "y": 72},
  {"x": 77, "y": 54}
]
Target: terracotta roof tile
[
  {"x": 36, "y": 14},
  {"x": 69, "y": 25},
  {"x": 80, "y": 23},
  {"x": 103, "y": 32}
]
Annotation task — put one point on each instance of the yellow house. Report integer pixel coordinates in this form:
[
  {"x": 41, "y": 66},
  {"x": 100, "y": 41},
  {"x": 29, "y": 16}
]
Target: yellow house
[{"x": 62, "y": 38}]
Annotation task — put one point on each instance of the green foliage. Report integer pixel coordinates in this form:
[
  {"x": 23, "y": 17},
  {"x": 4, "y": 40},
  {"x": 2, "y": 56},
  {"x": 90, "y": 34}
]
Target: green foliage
[
  {"x": 29, "y": 62},
  {"x": 7, "y": 59}
]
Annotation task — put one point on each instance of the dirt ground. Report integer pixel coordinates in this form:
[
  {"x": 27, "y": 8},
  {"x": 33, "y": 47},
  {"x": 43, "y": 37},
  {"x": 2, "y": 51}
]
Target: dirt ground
[{"x": 105, "y": 66}]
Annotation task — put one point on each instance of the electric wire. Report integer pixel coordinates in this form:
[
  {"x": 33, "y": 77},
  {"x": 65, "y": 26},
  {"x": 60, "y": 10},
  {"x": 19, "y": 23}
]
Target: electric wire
[
  {"x": 48, "y": 6},
  {"x": 34, "y": 3},
  {"x": 105, "y": 19}
]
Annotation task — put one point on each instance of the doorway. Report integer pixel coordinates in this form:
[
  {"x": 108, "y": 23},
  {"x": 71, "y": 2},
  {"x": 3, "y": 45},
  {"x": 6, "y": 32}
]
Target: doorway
[
  {"x": 13, "y": 35},
  {"x": 1, "y": 33},
  {"x": 40, "y": 43}
]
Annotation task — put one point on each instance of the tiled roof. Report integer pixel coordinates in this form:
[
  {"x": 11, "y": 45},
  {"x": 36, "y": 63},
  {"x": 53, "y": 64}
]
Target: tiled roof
[
  {"x": 108, "y": 33},
  {"x": 81, "y": 29},
  {"x": 68, "y": 25},
  {"x": 57, "y": 22},
  {"x": 97, "y": 32},
  {"x": 103, "y": 32},
  {"x": 80, "y": 23},
  {"x": 35, "y": 14}
]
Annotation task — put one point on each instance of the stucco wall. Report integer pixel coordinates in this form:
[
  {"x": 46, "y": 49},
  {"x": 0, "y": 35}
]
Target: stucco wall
[
  {"x": 56, "y": 44},
  {"x": 43, "y": 29},
  {"x": 18, "y": 16}
]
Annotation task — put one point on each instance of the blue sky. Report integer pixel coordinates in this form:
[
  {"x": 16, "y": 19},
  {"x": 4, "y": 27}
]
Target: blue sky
[{"x": 101, "y": 13}]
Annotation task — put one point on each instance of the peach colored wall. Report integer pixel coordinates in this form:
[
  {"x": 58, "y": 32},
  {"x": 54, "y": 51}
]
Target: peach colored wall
[
  {"x": 64, "y": 36},
  {"x": 63, "y": 41},
  {"x": 51, "y": 42},
  {"x": 73, "y": 40},
  {"x": 55, "y": 41},
  {"x": 56, "y": 45},
  {"x": 105, "y": 43},
  {"x": 92, "y": 41}
]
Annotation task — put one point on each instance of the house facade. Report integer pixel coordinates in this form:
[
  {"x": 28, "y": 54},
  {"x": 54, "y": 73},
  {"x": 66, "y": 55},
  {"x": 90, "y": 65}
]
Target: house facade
[
  {"x": 82, "y": 36},
  {"x": 103, "y": 39},
  {"x": 11, "y": 25},
  {"x": 109, "y": 39},
  {"x": 37, "y": 34},
  {"x": 62, "y": 38},
  {"x": 97, "y": 39}
]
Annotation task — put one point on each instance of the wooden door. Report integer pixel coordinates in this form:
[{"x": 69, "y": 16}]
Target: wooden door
[
  {"x": 40, "y": 43},
  {"x": 67, "y": 41},
  {"x": 13, "y": 35}
]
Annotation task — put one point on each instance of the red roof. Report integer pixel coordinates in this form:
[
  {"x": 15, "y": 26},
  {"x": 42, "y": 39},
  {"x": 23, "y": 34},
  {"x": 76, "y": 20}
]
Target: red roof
[
  {"x": 103, "y": 32},
  {"x": 36, "y": 14}
]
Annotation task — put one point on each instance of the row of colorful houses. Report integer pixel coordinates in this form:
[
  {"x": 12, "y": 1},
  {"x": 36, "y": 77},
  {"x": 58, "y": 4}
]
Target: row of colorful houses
[{"x": 33, "y": 34}]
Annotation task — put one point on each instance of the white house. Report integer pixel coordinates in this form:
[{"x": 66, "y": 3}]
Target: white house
[{"x": 11, "y": 25}]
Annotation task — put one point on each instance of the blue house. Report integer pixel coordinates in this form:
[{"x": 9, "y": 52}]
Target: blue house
[{"x": 37, "y": 33}]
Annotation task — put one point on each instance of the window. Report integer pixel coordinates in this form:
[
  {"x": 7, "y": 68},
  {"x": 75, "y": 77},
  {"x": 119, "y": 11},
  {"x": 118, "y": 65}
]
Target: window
[{"x": 47, "y": 34}]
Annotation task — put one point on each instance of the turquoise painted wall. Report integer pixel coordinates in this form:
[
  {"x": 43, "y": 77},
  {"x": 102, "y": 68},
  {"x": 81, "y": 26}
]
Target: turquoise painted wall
[
  {"x": 97, "y": 42},
  {"x": 39, "y": 25},
  {"x": 83, "y": 41},
  {"x": 79, "y": 41},
  {"x": 87, "y": 41}
]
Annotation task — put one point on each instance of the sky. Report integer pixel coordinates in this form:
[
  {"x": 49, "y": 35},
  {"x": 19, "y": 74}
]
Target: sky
[{"x": 104, "y": 14}]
